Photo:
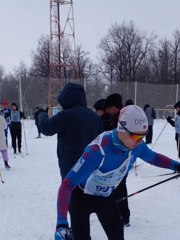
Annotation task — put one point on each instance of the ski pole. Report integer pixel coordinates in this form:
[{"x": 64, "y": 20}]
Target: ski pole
[
  {"x": 144, "y": 189},
  {"x": 159, "y": 135},
  {"x": 25, "y": 137},
  {"x": 1, "y": 178}
]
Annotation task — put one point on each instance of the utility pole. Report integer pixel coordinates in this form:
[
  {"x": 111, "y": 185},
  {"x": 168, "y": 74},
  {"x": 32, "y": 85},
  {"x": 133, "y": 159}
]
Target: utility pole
[{"x": 63, "y": 67}]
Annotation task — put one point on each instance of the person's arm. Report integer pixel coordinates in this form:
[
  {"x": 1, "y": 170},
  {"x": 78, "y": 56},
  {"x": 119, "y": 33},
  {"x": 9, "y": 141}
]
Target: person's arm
[
  {"x": 171, "y": 121},
  {"x": 157, "y": 159},
  {"x": 50, "y": 126}
]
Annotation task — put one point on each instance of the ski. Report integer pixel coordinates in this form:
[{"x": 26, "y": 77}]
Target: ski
[
  {"x": 160, "y": 175},
  {"x": 18, "y": 155}
]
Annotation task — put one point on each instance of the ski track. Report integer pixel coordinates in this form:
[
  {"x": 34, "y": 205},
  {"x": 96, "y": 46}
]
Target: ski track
[{"x": 28, "y": 196}]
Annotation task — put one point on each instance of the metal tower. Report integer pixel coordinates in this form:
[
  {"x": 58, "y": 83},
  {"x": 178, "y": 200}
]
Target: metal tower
[{"x": 63, "y": 67}]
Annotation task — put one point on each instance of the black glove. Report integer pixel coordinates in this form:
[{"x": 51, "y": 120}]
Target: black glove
[
  {"x": 169, "y": 118},
  {"x": 62, "y": 232},
  {"x": 178, "y": 168}
]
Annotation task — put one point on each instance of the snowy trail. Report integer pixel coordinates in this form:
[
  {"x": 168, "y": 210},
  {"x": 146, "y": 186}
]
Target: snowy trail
[{"x": 28, "y": 196}]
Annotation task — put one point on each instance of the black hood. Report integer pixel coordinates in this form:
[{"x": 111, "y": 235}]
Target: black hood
[{"x": 72, "y": 95}]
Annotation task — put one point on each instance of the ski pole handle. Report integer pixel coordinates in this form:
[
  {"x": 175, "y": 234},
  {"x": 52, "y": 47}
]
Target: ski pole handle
[{"x": 144, "y": 189}]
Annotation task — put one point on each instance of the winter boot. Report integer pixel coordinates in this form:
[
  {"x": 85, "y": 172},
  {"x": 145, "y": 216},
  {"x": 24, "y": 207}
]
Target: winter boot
[
  {"x": 19, "y": 150},
  {"x": 6, "y": 164},
  {"x": 14, "y": 151}
]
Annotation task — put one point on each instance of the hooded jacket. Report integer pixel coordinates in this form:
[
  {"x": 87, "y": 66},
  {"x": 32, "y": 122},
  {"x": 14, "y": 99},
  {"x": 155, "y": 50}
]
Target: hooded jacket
[{"x": 76, "y": 126}]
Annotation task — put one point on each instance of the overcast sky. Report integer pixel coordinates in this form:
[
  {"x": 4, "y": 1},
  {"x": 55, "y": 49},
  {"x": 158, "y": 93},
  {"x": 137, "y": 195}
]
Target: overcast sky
[{"x": 22, "y": 23}]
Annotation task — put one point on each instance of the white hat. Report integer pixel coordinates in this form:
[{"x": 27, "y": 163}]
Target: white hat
[{"x": 133, "y": 118}]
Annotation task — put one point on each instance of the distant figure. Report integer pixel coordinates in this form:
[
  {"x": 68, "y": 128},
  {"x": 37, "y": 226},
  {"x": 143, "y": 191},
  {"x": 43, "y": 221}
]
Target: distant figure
[
  {"x": 3, "y": 146},
  {"x": 5, "y": 112},
  {"x": 113, "y": 105},
  {"x": 99, "y": 107},
  {"x": 129, "y": 102},
  {"x": 37, "y": 111},
  {"x": 151, "y": 115},
  {"x": 16, "y": 127},
  {"x": 176, "y": 123}
]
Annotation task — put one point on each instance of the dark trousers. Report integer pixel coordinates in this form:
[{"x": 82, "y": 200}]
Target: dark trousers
[
  {"x": 39, "y": 131},
  {"x": 177, "y": 137},
  {"x": 149, "y": 134},
  {"x": 16, "y": 135},
  {"x": 120, "y": 192},
  {"x": 82, "y": 205}
]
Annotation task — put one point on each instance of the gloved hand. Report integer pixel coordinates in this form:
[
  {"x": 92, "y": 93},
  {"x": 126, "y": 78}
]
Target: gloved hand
[
  {"x": 178, "y": 168},
  {"x": 62, "y": 232},
  {"x": 169, "y": 118}
]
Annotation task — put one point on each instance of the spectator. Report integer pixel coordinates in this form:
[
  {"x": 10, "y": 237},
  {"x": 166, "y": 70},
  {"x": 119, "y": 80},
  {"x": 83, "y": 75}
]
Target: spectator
[
  {"x": 6, "y": 111},
  {"x": 129, "y": 102},
  {"x": 99, "y": 107},
  {"x": 151, "y": 115},
  {"x": 3, "y": 146},
  {"x": 113, "y": 105},
  {"x": 76, "y": 126},
  {"x": 176, "y": 123},
  {"x": 37, "y": 111}
]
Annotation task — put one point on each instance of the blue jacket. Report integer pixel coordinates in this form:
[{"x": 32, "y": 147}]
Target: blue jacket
[
  {"x": 102, "y": 166},
  {"x": 76, "y": 126}
]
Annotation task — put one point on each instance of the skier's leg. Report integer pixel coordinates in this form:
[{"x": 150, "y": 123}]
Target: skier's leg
[
  {"x": 108, "y": 216},
  {"x": 80, "y": 213}
]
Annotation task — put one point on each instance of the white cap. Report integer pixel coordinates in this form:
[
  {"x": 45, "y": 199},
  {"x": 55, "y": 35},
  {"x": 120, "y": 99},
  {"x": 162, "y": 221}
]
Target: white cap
[{"x": 133, "y": 118}]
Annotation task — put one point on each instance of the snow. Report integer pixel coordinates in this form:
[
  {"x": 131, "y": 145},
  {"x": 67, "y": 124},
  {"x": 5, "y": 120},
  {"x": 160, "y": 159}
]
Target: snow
[{"x": 28, "y": 196}]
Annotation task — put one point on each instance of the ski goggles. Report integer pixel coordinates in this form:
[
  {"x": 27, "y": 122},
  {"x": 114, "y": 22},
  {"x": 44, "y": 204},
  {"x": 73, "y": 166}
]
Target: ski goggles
[{"x": 137, "y": 137}]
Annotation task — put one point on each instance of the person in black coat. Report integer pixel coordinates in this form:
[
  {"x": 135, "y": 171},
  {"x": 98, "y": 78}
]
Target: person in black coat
[
  {"x": 151, "y": 115},
  {"x": 76, "y": 126},
  {"x": 37, "y": 111},
  {"x": 113, "y": 105}
]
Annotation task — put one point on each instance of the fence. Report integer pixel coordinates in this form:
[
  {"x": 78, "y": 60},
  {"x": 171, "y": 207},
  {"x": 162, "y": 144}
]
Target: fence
[{"x": 158, "y": 96}]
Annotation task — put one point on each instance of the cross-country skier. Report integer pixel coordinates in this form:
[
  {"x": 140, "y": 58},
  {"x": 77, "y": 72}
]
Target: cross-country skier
[{"x": 100, "y": 169}]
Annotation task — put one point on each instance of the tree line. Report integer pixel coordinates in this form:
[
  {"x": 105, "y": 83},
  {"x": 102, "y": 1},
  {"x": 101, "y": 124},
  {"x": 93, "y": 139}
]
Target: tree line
[{"x": 126, "y": 54}]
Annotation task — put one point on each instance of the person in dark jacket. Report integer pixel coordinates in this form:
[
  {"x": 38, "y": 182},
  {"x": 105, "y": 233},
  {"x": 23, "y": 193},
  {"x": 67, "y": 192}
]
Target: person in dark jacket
[
  {"x": 113, "y": 105},
  {"x": 129, "y": 102},
  {"x": 76, "y": 126},
  {"x": 16, "y": 126},
  {"x": 37, "y": 111},
  {"x": 151, "y": 115},
  {"x": 176, "y": 124},
  {"x": 99, "y": 107}
]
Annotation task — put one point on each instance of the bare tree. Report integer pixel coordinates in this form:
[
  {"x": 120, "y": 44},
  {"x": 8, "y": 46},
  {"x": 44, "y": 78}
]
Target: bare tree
[
  {"x": 175, "y": 49},
  {"x": 124, "y": 48}
]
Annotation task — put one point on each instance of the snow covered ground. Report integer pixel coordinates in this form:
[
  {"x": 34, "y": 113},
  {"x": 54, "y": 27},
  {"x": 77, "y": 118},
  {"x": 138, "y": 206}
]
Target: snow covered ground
[{"x": 28, "y": 196}]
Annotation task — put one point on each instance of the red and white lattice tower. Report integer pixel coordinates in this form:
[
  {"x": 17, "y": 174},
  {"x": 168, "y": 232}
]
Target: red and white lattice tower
[{"x": 62, "y": 67}]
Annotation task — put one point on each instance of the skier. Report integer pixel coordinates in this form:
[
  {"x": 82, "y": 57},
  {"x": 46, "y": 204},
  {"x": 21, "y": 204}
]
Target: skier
[
  {"x": 176, "y": 123},
  {"x": 3, "y": 146},
  {"x": 16, "y": 126},
  {"x": 100, "y": 169}
]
